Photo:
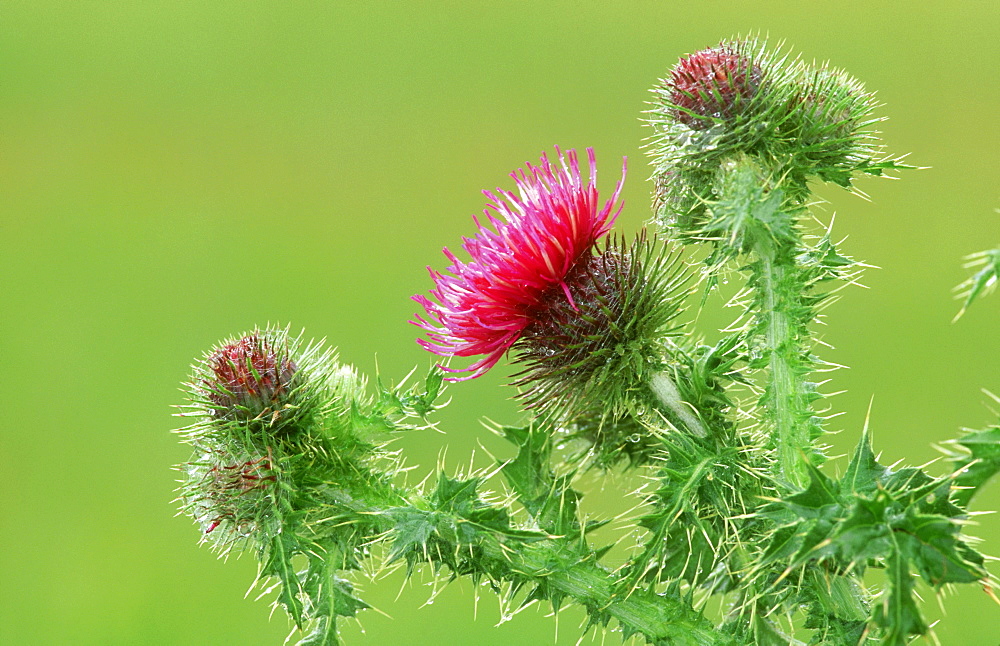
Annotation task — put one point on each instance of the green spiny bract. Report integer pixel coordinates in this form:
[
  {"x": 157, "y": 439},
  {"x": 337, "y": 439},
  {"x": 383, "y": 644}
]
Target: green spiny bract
[
  {"x": 599, "y": 347},
  {"x": 589, "y": 360}
]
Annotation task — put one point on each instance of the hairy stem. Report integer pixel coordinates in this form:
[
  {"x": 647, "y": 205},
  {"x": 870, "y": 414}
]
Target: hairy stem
[
  {"x": 755, "y": 217},
  {"x": 788, "y": 394},
  {"x": 473, "y": 538}
]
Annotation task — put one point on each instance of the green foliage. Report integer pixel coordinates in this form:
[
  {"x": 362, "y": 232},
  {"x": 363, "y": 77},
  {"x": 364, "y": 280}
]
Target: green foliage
[
  {"x": 975, "y": 458},
  {"x": 290, "y": 459},
  {"x": 983, "y": 281},
  {"x": 902, "y": 521}
]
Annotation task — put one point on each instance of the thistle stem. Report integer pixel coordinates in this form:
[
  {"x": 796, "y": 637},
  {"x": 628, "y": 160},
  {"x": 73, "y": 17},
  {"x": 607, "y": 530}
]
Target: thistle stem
[
  {"x": 563, "y": 567},
  {"x": 666, "y": 393},
  {"x": 787, "y": 395}
]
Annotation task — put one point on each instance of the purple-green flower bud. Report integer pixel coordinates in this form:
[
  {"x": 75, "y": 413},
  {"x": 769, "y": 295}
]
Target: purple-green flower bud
[
  {"x": 595, "y": 345},
  {"x": 233, "y": 496},
  {"x": 712, "y": 84},
  {"x": 249, "y": 378}
]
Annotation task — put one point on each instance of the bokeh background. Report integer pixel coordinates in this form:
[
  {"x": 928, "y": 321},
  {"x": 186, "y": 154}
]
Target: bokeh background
[{"x": 174, "y": 172}]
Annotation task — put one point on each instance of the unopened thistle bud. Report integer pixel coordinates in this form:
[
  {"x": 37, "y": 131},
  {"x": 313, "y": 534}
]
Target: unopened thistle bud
[
  {"x": 229, "y": 500},
  {"x": 249, "y": 378},
  {"x": 712, "y": 85},
  {"x": 830, "y": 117},
  {"x": 288, "y": 460},
  {"x": 798, "y": 121}
]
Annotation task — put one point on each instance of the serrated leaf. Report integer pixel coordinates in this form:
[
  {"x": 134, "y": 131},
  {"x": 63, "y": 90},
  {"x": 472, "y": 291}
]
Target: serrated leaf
[
  {"x": 978, "y": 465},
  {"x": 411, "y": 531},
  {"x": 909, "y": 484},
  {"x": 821, "y": 492},
  {"x": 528, "y": 472},
  {"x": 548, "y": 499},
  {"x": 864, "y": 534},
  {"x": 932, "y": 544},
  {"x": 983, "y": 280},
  {"x": 455, "y": 494},
  {"x": 345, "y": 603},
  {"x": 785, "y": 542},
  {"x": 864, "y": 474},
  {"x": 279, "y": 565},
  {"x": 897, "y": 613},
  {"x": 323, "y": 633}
]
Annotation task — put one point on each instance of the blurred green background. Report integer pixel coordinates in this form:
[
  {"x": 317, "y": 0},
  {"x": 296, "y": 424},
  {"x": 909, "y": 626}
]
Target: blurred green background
[{"x": 172, "y": 173}]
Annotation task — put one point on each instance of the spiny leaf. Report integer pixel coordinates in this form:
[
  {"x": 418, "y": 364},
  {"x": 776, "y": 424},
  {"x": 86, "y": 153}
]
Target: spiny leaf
[
  {"x": 977, "y": 461},
  {"x": 897, "y": 613},
  {"x": 864, "y": 473},
  {"x": 931, "y": 542},
  {"x": 820, "y": 493},
  {"x": 279, "y": 564},
  {"x": 981, "y": 282},
  {"x": 549, "y": 499}
]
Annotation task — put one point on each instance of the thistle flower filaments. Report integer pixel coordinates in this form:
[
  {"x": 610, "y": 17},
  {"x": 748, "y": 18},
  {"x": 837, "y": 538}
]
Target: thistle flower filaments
[{"x": 538, "y": 237}]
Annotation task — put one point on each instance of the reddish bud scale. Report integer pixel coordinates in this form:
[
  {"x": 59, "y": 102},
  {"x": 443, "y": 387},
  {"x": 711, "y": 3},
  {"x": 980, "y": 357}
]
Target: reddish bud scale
[
  {"x": 223, "y": 485},
  {"x": 248, "y": 376},
  {"x": 712, "y": 84}
]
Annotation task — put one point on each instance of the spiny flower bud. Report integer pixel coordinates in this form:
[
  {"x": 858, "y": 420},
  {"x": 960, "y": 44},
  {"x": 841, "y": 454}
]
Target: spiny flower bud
[
  {"x": 597, "y": 348},
  {"x": 830, "y": 115},
  {"x": 251, "y": 378},
  {"x": 229, "y": 500},
  {"x": 712, "y": 84}
]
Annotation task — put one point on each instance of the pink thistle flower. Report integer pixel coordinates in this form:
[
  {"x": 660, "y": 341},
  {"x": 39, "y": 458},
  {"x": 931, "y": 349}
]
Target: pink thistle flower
[{"x": 536, "y": 239}]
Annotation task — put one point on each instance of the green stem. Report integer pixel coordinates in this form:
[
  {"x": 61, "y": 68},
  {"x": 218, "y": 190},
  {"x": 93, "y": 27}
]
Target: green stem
[
  {"x": 787, "y": 396},
  {"x": 662, "y": 619},
  {"x": 756, "y": 216},
  {"x": 551, "y": 568},
  {"x": 667, "y": 394}
]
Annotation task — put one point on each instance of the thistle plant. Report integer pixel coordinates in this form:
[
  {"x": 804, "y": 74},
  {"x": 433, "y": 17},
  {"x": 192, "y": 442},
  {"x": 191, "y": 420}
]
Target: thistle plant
[{"x": 743, "y": 506}]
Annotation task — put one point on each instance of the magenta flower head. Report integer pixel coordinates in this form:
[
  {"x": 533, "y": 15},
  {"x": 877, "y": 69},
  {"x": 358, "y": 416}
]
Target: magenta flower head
[{"x": 518, "y": 265}]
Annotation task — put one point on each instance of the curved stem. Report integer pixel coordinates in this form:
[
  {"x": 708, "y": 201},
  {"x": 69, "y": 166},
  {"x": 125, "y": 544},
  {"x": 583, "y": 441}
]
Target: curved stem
[
  {"x": 471, "y": 538},
  {"x": 667, "y": 394}
]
